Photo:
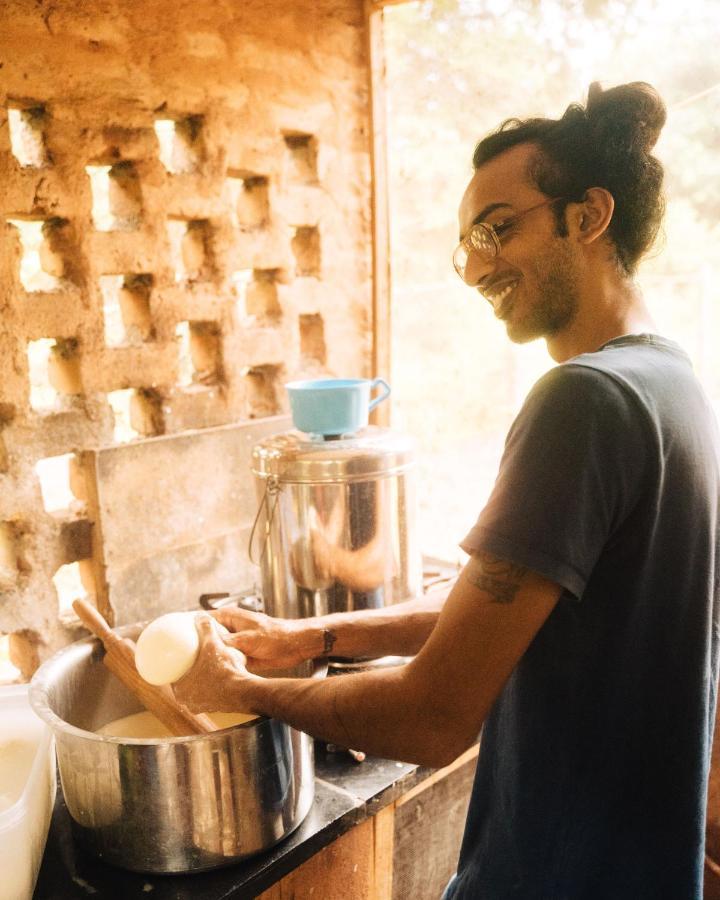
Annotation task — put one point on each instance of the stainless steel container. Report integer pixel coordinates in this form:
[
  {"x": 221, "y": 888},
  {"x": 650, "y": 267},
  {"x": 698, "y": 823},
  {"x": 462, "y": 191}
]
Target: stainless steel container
[
  {"x": 172, "y": 804},
  {"x": 335, "y": 528}
]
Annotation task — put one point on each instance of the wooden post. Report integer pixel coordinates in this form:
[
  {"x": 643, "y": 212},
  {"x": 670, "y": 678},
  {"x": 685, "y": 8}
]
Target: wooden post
[
  {"x": 383, "y": 846},
  {"x": 380, "y": 233}
]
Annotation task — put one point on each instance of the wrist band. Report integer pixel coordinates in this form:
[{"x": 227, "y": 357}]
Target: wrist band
[{"x": 329, "y": 638}]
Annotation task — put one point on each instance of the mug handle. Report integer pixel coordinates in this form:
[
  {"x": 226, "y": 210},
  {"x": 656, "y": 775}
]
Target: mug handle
[{"x": 379, "y": 382}]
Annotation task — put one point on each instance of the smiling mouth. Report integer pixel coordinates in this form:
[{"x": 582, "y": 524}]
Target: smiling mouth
[{"x": 498, "y": 299}]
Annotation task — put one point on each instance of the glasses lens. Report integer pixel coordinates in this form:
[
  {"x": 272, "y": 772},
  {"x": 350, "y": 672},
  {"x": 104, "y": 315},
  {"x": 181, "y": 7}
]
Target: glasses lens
[
  {"x": 460, "y": 258},
  {"x": 482, "y": 240},
  {"x": 483, "y": 243}
]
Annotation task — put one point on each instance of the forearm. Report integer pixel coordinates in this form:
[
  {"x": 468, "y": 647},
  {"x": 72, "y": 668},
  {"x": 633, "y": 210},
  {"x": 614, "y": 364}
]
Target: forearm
[
  {"x": 381, "y": 712},
  {"x": 400, "y": 629},
  {"x": 397, "y": 630}
]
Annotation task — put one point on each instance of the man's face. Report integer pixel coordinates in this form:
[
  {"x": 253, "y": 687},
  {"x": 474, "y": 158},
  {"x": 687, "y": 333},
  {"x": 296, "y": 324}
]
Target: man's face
[{"x": 532, "y": 283}]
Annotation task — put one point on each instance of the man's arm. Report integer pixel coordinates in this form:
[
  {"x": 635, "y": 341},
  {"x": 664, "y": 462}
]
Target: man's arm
[
  {"x": 428, "y": 711},
  {"x": 400, "y": 629}
]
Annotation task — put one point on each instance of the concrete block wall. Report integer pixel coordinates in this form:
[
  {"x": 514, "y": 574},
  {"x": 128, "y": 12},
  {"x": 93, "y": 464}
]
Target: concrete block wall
[{"x": 184, "y": 226}]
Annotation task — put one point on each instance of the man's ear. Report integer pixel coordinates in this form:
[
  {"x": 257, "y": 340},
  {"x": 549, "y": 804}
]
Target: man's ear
[{"x": 590, "y": 218}]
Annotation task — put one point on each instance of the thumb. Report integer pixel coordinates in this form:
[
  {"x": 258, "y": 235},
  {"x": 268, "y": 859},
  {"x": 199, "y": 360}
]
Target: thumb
[{"x": 205, "y": 628}]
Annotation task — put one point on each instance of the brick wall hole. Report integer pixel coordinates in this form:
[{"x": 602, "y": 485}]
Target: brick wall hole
[
  {"x": 260, "y": 296},
  {"x": 206, "y": 352},
  {"x": 116, "y": 197},
  {"x": 77, "y": 482},
  {"x": 263, "y": 383},
  {"x": 302, "y": 157},
  {"x": 126, "y": 309},
  {"x": 58, "y": 483},
  {"x": 184, "y": 364},
  {"x": 306, "y": 250},
  {"x": 120, "y": 401},
  {"x": 73, "y": 581},
  {"x": 199, "y": 353},
  {"x": 189, "y": 248},
  {"x": 312, "y": 338},
  {"x": 7, "y": 413},
  {"x": 64, "y": 367},
  {"x": 54, "y": 371},
  {"x": 42, "y": 267},
  {"x": 27, "y": 135},
  {"x": 43, "y": 395},
  {"x": 181, "y": 143},
  {"x": 113, "y": 325},
  {"x": 249, "y": 199},
  {"x": 136, "y": 414},
  {"x": 146, "y": 412},
  {"x": 9, "y": 555},
  {"x": 23, "y": 649},
  {"x": 9, "y": 672}
]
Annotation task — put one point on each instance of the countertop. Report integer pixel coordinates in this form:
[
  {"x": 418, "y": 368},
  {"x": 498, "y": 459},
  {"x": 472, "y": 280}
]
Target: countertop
[{"x": 346, "y": 793}]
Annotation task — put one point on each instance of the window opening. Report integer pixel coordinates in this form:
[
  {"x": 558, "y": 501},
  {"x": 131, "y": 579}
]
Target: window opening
[
  {"x": 42, "y": 267},
  {"x": 302, "y": 153},
  {"x": 262, "y": 391},
  {"x": 73, "y": 581},
  {"x": 27, "y": 135},
  {"x": 116, "y": 197},
  {"x": 306, "y": 250},
  {"x": 181, "y": 144},
  {"x": 126, "y": 309},
  {"x": 55, "y": 476},
  {"x": 249, "y": 199}
]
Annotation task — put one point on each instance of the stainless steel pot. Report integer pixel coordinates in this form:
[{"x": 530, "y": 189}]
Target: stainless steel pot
[
  {"x": 173, "y": 804},
  {"x": 335, "y": 528}
]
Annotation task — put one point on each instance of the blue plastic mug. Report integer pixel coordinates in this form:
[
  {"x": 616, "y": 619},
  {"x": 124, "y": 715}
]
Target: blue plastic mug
[{"x": 333, "y": 405}]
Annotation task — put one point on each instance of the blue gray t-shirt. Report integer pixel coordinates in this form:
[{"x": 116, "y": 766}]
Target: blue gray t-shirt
[{"x": 593, "y": 767}]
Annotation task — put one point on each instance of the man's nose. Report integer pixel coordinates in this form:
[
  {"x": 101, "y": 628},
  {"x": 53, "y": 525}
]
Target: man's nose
[{"x": 477, "y": 268}]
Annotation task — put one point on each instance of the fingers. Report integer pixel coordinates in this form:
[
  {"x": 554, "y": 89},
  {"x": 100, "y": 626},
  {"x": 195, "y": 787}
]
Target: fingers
[
  {"x": 234, "y": 619},
  {"x": 206, "y": 629}
]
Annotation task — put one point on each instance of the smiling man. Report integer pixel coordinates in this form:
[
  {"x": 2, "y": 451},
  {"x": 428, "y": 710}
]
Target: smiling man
[{"x": 582, "y": 634}]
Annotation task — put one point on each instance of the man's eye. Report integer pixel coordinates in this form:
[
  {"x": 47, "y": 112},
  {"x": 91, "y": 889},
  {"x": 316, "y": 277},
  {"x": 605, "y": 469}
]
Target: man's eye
[{"x": 502, "y": 228}]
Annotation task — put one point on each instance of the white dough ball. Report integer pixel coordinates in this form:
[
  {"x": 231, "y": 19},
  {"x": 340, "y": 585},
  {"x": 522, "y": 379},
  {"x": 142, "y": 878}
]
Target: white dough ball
[{"x": 167, "y": 648}]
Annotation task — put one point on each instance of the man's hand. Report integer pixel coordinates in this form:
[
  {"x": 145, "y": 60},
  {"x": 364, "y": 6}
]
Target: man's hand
[
  {"x": 206, "y": 687},
  {"x": 269, "y": 643}
]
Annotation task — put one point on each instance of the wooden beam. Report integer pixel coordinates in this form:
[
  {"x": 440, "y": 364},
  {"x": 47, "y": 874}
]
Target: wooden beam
[
  {"x": 383, "y": 848},
  {"x": 380, "y": 229}
]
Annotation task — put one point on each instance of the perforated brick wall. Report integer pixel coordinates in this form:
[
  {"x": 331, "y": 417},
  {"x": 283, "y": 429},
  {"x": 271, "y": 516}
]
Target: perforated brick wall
[{"x": 184, "y": 226}]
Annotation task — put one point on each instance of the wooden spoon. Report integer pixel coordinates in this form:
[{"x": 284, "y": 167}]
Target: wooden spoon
[{"x": 120, "y": 659}]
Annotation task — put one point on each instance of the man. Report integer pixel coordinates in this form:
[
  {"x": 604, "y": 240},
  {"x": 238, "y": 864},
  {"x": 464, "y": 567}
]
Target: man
[{"x": 582, "y": 633}]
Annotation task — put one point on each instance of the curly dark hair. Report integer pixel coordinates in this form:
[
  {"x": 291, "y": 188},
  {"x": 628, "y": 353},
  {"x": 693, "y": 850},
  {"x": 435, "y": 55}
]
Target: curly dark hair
[{"x": 606, "y": 144}]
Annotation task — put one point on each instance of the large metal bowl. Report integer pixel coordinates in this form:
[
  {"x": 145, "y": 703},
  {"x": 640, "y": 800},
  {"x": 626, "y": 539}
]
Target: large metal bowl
[{"x": 173, "y": 804}]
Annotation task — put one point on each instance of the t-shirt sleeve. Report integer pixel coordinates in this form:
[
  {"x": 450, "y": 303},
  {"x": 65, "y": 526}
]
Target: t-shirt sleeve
[{"x": 571, "y": 472}]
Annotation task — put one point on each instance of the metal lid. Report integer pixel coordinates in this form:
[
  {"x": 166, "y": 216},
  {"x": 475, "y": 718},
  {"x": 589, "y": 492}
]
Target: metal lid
[{"x": 296, "y": 458}]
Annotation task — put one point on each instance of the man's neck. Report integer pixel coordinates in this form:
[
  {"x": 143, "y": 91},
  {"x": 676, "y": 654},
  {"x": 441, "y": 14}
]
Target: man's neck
[{"x": 614, "y": 307}]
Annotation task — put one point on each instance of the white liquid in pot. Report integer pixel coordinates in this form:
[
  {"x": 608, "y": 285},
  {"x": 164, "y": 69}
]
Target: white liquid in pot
[{"x": 146, "y": 725}]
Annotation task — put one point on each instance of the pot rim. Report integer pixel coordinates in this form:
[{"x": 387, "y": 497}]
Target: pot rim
[{"x": 39, "y": 688}]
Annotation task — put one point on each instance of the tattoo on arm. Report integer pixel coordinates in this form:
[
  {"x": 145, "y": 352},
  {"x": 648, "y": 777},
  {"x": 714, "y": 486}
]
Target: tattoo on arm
[{"x": 497, "y": 577}]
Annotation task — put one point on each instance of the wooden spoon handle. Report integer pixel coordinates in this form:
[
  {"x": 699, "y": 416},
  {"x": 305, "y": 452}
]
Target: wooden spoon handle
[
  {"x": 120, "y": 659},
  {"x": 94, "y": 622},
  {"x": 159, "y": 702}
]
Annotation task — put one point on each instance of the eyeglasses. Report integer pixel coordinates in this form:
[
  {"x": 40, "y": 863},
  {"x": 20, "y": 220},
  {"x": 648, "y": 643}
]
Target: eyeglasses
[{"x": 485, "y": 240}]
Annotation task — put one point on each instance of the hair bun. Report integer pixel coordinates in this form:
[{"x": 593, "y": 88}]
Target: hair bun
[{"x": 633, "y": 114}]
